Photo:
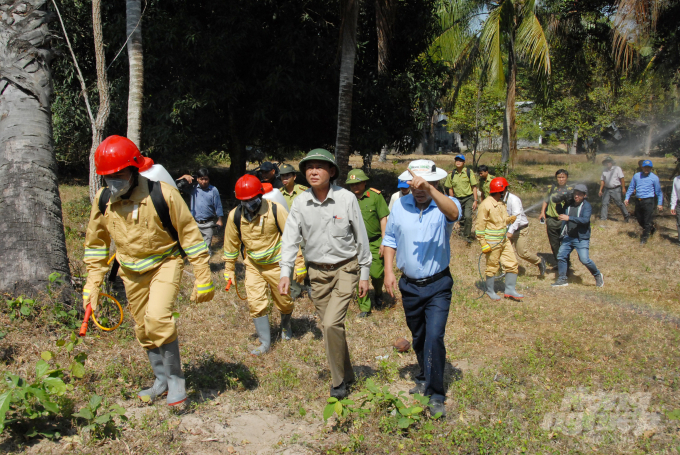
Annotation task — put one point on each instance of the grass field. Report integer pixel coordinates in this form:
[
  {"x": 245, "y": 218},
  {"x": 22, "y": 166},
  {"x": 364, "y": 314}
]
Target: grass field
[{"x": 569, "y": 370}]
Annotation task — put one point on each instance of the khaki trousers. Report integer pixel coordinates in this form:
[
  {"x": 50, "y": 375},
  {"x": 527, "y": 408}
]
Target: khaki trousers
[
  {"x": 504, "y": 254},
  {"x": 151, "y": 296},
  {"x": 331, "y": 292},
  {"x": 258, "y": 279},
  {"x": 519, "y": 240}
]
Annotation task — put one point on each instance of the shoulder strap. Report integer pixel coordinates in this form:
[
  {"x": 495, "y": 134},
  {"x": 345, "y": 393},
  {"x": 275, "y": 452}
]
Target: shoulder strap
[
  {"x": 276, "y": 218},
  {"x": 237, "y": 220},
  {"x": 467, "y": 170},
  {"x": 163, "y": 212},
  {"x": 104, "y": 200}
]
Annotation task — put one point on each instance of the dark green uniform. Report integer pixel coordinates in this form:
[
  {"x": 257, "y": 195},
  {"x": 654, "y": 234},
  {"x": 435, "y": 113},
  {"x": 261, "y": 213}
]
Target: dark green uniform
[
  {"x": 373, "y": 209},
  {"x": 461, "y": 183},
  {"x": 553, "y": 226},
  {"x": 486, "y": 190}
]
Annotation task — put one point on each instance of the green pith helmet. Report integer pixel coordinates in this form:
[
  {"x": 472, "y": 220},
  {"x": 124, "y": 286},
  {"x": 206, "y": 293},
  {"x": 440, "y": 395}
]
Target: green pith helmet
[
  {"x": 356, "y": 176},
  {"x": 320, "y": 155},
  {"x": 286, "y": 169}
]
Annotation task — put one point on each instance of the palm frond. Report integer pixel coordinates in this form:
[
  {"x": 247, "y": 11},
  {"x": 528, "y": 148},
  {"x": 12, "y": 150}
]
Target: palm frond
[
  {"x": 490, "y": 41},
  {"x": 532, "y": 45}
]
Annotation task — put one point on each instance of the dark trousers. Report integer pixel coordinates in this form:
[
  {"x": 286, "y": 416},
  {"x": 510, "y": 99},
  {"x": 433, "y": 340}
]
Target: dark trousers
[
  {"x": 553, "y": 226},
  {"x": 613, "y": 194},
  {"x": 427, "y": 309},
  {"x": 644, "y": 212},
  {"x": 466, "y": 218}
]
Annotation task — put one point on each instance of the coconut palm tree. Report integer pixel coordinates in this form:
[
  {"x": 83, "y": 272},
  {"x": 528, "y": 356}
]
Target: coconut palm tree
[
  {"x": 493, "y": 35},
  {"x": 32, "y": 244},
  {"x": 133, "y": 9}
]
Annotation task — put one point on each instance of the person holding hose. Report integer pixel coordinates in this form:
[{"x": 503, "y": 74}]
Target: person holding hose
[
  {"x": 551, "y": 210},
  {"x": 258, "y": 224},
  {"x": 149, "y": 252},
  {"x": 491, "y": 228}
]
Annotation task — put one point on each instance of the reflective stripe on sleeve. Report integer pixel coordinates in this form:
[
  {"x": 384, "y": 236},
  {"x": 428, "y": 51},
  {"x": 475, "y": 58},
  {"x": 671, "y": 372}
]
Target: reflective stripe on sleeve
[
  {"x": 229, "y": 255},
  {"x": 96, "y": 253},
  {"x": 196, "y": 249},
  {"x": 147, "y": 263}
]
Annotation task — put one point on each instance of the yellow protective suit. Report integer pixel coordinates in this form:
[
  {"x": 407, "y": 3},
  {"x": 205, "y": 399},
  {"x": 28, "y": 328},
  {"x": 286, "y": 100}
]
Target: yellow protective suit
[
  {"x": 151, "y": 266},
  {"x": 492, "y": 224},
  {"x": 262, "y": 241}
]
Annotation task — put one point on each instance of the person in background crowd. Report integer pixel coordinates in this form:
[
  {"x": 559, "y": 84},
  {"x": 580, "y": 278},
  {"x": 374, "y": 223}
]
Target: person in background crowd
[
  {"x": 551, "y": 210},
  {"x": 484, "y": 180},
  {"x": 576, "y": 236},
  {"x": 462, "y": 184},
  {"x": 374, "y": 212},
  {"x": 612, "y": 186},
  {"x": 206, "y": 205},
  {"x": 419, "y": 234},
  {"x": 647, "y": 189},
  {"x": 328, "y": 219},
  {"x": 404, "y": 189},
  {"x": 290, "y": 191},
  {"x": 491, "y": 228},
  {"x": 674, "y": 204},
  {"x": 268, "y": 174},
  {"x": 518, "y": 232}
]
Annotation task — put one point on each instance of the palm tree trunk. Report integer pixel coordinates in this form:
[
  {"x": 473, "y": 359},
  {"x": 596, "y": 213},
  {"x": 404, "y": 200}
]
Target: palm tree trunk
[
  {"x": 348, "y": 39},
  {"x": 136, "y": 58},
  {"x": 236, "y": 149},
  {"x": 574, "y": 148},
  {"x": 103, "y": 88},
  {"x": 509, "y": 146},
  {"x": 32, "y": 244}
]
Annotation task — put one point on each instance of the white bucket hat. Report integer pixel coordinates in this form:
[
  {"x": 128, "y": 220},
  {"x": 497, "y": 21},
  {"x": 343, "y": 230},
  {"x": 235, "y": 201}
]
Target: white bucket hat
[{"x": 425, "y": 169}]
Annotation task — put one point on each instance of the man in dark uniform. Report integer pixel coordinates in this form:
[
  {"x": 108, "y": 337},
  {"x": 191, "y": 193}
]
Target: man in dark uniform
[
  {"x": 552, "y": 209},
  {"x": 462, "y": 184},
  {"x": 374, "y": 211},
  {"x": 267, "y": 174}
]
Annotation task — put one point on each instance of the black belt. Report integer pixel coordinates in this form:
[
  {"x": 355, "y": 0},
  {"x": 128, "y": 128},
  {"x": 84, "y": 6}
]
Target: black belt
[
  {"x": 332, "y": 266},
  {"x": 373, "y": 239},
  {"x": 206, "y": 221},
  {"x": 431, "y": 279}
]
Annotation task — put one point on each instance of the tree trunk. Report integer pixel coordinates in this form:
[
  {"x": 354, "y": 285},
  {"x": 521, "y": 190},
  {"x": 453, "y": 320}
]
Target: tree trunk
[
  {"x": 32, "y": 245},
  {"x": 136, "y": 58},
  {"x": 103, "y": 87},
  {"x": 574, "y": 147},
  {"x": 237, "y": 151},
  {"x": 383, "y": 154},
  {"x": 348, "y": 39},
  {"x": 509, "y": 146}
]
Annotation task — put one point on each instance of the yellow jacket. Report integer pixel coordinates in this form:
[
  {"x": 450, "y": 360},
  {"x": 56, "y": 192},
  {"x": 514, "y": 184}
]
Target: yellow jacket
[
  {"x": 141, "y": 242},
  {"x": 492, "y": 221},
  {"x": 261, "y": 238}
]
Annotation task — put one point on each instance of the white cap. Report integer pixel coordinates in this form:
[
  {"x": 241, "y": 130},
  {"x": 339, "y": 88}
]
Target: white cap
[{"x": 425, "y": 169}]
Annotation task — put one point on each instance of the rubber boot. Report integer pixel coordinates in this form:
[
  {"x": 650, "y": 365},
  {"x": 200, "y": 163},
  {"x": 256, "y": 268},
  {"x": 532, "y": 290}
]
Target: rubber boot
[
  {"x": 263, "y": 333},
  {"x": 160, "y": 385},
  {"x": 489, "y": 288},
  {"x": 286, "y": 329},
  {"x": 177, "y": 393},
  {"x": 510, "y": 282}
]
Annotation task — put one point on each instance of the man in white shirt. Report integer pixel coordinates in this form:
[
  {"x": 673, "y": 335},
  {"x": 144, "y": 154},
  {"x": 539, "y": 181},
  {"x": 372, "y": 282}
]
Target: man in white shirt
[
  {"x": 675, "y": 210},
  {"x": 328, "y": 219},
  {"x": 518, "y": 233},
  {"x": 612, "y": 186},
  {"x": 404, "y": 189}
]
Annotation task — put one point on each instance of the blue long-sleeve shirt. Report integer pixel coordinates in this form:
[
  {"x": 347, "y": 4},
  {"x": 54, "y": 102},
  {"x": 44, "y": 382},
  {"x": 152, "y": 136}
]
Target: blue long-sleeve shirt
[
  {"x": 206, "y": 204},
  {"x": 645, "y": 186}
]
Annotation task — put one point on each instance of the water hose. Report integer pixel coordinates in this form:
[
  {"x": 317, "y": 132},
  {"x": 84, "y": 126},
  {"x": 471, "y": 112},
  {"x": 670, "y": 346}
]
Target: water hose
[
  {"x": 90, "y": 314},
  {"x": 228, "y": 286}
]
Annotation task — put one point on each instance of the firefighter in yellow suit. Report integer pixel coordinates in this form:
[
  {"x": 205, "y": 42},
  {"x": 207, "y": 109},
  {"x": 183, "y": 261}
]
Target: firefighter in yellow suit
[
  {"x": 490, "y": 229},
  {"x": 260, "y": 230},
  {"x": 149, "y": 258}
]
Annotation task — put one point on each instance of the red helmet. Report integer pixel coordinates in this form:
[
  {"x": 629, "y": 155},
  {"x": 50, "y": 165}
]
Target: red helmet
[
  {"x": 498, "y": 185},
  {"x": 247, "y": 187},
  {"x": 118, "y": 152}
]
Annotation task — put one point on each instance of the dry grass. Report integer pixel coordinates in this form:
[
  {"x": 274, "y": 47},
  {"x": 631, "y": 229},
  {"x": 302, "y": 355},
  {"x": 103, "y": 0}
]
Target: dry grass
[{"x": 509, "y": 362}]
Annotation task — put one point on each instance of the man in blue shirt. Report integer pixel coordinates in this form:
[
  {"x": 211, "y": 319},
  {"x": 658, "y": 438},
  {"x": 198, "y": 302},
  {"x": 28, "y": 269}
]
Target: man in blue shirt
[
  {"x": 418, "y": 233},
  {"x": 647, "y": 188},
  {"x": 206, "y": 206}
]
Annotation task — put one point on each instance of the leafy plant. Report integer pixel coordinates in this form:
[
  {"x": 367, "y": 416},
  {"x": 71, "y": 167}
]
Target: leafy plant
[
  {"x": 376, "y": 399},
  {"x": 20, "y": 308},
  {"x": 77, "y": 367},
  {"x": 101, "y": 418},
  {"x": 28, "y": 401}
]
